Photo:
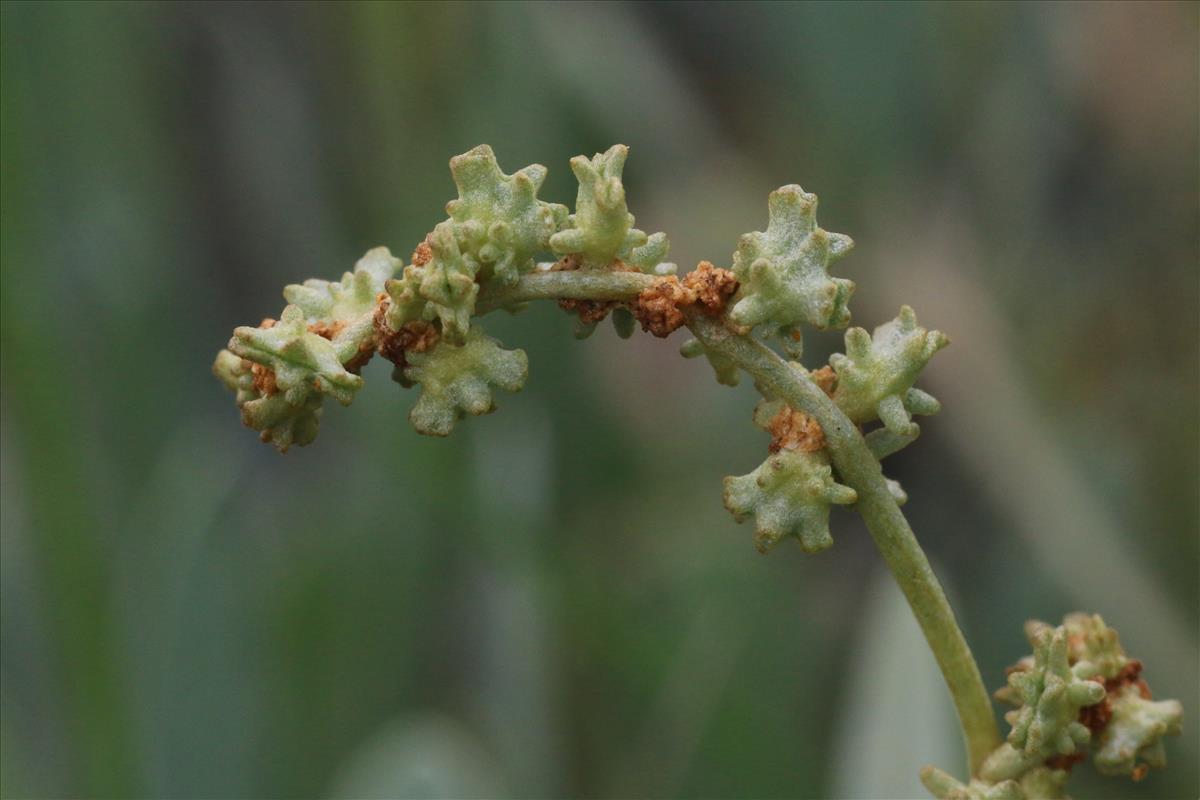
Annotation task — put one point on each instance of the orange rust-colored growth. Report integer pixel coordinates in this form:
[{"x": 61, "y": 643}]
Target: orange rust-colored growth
[
  {"x": 366, "y": 351},
  {"x": 1065, "y": 762},
  {"x": 327, "y": 330},
  {"x": 415, "y": 336},
  {"x": 264, "y": 378},
  {"x": 590, "y": 311},
  {"x": 658, "y": 308},
  {"x": 794, "y": 430},
  {"x": 825, "y": 378},
  {"x": 423, "y": 254},
  {"x": 1096, "y": 717},
  {"x": 565, "y": 264},
  {"x": 712, "y": 286}
]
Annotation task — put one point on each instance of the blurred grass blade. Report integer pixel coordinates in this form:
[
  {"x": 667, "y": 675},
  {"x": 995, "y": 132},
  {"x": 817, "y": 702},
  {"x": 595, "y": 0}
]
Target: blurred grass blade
[
  {"x": 427, "y": 756},
  {"x": 896, "y": 715}
]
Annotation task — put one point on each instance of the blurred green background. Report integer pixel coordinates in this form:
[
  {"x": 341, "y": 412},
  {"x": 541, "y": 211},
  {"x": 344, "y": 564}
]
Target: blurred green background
[{"x": 552, "y": 602}]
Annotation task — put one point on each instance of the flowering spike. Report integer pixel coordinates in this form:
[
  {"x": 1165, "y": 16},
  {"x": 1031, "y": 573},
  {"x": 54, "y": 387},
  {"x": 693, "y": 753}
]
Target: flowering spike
[
  {"x": 499, "y": 222},
  {"x": 784, "y": 271},
  {"x": 1077, "y": 687}
]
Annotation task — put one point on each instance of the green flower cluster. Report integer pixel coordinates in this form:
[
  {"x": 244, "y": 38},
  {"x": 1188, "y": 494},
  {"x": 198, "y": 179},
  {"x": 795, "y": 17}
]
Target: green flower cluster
[
  {"x": 872, "y": 381},
  {"x": 420, "y": 315},
  {"x": 1131, "y": 741},
  {"x": 281, "y": 371},
  {"x": 1077, "y": 688}
]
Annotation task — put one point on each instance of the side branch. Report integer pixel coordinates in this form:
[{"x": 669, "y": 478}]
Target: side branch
[{"x": 858, "y": 468}]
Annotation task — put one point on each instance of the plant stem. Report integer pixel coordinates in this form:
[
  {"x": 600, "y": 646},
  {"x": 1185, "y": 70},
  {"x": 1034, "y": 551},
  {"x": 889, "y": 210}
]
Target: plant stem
[
  {"x": 572, "y": 284},
  {"x": 857, "y": 467}
]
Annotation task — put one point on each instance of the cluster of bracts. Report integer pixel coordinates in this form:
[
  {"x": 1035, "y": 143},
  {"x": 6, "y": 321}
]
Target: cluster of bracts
[
  {"x": 1078, "y": 690},
  {"x": 422, "y": 318}
]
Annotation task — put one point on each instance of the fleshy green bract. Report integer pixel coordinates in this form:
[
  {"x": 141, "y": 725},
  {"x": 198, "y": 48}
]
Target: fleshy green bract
[{"x": 784, "y": 270}]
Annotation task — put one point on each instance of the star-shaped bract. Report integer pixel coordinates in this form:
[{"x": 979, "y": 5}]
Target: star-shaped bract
[
  {"x": 499, "y": 222},
  {"x": 353, "y": 296},
  {"x": 1047, "y": 723},
  {"x": 302, "y": 361},
  {"x": 457, "y": 379},
  {"x": 789, "y": 494},
  {"x": 876, "y": 374},
  {"x": 1133, "y": 738},
  {"x": 783, "y": 272},
  {"x": 601, "y": 230}
]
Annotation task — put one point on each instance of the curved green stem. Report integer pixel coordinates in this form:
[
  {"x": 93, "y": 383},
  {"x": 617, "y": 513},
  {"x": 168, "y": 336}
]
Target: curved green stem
[{"x": 856, "y": 466}]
